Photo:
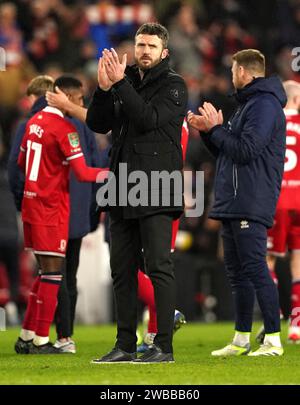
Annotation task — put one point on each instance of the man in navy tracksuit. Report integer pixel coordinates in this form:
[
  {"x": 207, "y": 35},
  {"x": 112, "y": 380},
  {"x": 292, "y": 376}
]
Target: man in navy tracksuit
[
  {"x": 250, "y": 154},
  {"x": 83, "y": 215}
]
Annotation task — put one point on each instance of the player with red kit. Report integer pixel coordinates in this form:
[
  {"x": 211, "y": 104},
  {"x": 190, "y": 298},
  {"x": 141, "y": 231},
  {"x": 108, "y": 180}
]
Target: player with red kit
[
  {"x": 285, "y": 234},
  {"x": 49, "y": 149}
]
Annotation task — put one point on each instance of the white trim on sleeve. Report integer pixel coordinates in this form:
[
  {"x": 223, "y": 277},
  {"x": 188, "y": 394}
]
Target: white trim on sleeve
[
  {"x": 277, "y": 254},
  {"x": 75, "y": 156}
]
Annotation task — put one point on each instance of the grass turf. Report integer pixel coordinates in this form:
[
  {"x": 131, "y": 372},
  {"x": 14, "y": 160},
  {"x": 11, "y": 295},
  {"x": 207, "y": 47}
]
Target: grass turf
[{"x": 194, "y": 365}]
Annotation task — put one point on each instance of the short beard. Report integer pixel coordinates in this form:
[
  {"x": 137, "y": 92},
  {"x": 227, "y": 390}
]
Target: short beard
[{"x": 145, "y": 68}]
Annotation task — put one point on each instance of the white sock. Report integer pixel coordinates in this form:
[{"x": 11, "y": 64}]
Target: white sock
[
  {"x": 241, "y": 338},
  {"x": 273, "y": 339},
  {"x": 294, "y": 330},
  {"x": 27, "y": 334},
  {"x": 40, "y": 340}
]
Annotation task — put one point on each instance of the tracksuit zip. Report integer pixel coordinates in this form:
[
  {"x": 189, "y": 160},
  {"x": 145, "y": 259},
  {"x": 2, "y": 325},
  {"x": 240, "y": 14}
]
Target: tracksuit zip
[{"x": 235, "y": 179}]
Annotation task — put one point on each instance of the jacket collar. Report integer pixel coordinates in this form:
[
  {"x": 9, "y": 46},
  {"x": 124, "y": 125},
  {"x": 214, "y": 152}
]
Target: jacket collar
[
  {"x": 38, "y": 105},
  {"x": 246, "y": 92},
  {"x": 263, "y": 85},
  {"x": 53, "y": 110}
]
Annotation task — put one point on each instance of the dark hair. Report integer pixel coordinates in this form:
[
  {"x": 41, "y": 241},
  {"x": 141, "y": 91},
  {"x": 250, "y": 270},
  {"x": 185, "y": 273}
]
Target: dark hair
[
  {"x": 251, "y": 59},
  {"x": 67, "y": 82},
  {"x": 155, "y": 29}
]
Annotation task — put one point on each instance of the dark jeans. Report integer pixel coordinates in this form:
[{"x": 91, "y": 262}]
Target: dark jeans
[
  {"x": 245, "y": 248},
  {"x": 128, "y": 237},
  {"x": 67, "y": 296}
]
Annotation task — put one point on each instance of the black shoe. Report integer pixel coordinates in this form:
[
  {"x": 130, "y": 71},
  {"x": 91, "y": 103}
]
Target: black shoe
[
  {"x": 155, "y": 355},
  {"x": 47, "y": 348},
  {"x": 116, "y": 356},
  {"x": 22, "y": 346}
]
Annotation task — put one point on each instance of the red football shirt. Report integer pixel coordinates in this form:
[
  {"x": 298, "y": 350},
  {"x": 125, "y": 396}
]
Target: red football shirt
[
  {"x": 290, "y": 187},
  {"x": 49, "y": 143}
]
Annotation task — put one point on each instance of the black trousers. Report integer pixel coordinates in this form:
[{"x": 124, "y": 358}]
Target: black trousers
[
  {"x": 67, "y": 296},
  {"x": 129, "y": 239}
]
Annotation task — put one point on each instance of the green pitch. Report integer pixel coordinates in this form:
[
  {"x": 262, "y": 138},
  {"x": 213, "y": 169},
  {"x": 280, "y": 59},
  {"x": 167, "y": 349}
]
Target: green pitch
[{"x": 194, "y": 365}]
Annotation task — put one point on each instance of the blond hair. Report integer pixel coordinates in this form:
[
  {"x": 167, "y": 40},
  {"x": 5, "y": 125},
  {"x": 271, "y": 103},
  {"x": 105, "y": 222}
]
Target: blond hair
[
  {"x": 39, "y": 85},
  {"x": 252, "y": 60}
]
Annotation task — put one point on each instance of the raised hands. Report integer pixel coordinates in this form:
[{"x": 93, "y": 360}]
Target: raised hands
[
  {"x": 110, "y": 69},
  {"x": 196, "y": 121},
  {"x": 208, "y": 119},
  {"x": 114, "y": 68},
  {"x": 103, "y": 80}
]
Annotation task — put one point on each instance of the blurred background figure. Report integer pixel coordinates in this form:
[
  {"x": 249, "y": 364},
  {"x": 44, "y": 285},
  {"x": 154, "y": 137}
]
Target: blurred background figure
[{"x": 9, "y": 243}]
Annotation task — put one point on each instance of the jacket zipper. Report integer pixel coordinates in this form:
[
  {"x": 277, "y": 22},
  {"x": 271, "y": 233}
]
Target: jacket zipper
[
  {"x": 235, "y": 179},
  {"x": 121, "y": 131}
]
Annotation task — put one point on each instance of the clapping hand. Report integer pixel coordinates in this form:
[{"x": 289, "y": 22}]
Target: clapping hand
[
  {"x": 103, "y": 80},
  {"x": 115, "y": 69},
  {"x": 196, "y": 121},
  {"x": 212, "y": 117},
  {"x": 208, "y": 119}
]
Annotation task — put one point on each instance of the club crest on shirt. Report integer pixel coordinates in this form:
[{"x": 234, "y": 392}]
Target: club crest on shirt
[{"x": 73, "y": 139}]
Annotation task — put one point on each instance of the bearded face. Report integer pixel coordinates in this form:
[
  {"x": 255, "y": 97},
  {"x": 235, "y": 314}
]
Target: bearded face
[{"x": 148, "y": 51}]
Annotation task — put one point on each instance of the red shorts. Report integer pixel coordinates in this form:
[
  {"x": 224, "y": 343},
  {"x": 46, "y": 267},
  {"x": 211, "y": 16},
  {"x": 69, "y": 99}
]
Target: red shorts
[
  {"x": 46, "y": 240},
  {"x": 285, "y": 233}
]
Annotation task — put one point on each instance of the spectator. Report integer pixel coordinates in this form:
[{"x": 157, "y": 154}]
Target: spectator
[{"x": 9, "y": 245}]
